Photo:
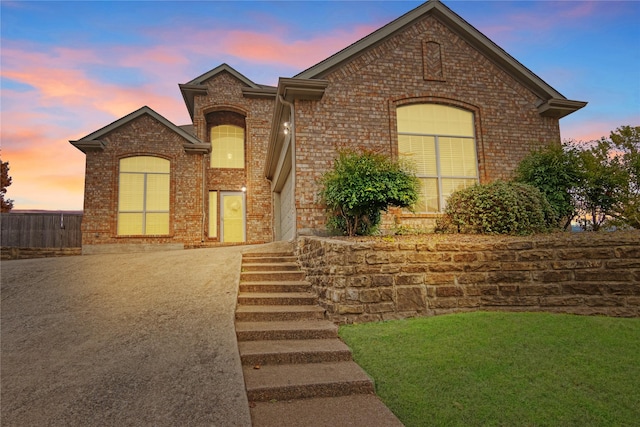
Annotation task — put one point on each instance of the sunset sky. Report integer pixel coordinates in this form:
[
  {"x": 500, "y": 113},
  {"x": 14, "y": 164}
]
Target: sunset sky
[{"x": 70, "y": 68}]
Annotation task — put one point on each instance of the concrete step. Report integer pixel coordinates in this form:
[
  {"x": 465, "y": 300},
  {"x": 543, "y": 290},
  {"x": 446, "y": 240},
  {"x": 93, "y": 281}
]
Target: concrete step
[
  {"x": 269, "y": 259},
  {"x": 274, "y": 352},
  {"x": 263, "y": 287},
  {"x": 286, "y": 330},
  {"x": 271, "y": 276},
  {"x": 260, "y": 313},
  {"x": 279, "y": 266},
  {"x": 277, "y": 298},
  {"x": 358, "y": 410},
  {"x": 256, "y": 255},
  {"x": 283, "y": 382}
]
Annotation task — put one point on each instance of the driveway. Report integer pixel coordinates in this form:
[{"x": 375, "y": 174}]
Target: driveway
[{"x": 125, "y": 339}]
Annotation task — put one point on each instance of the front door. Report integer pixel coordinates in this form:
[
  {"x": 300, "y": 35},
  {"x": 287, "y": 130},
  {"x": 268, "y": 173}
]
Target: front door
[{"x": 232, "y": 217}]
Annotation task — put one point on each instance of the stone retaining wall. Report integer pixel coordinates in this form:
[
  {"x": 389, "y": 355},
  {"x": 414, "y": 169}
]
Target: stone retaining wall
[{"x": 398, "y": 277}]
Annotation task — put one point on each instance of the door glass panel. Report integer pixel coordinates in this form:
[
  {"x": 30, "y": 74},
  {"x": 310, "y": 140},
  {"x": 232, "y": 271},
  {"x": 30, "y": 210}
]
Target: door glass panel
[{"x": 233, "y": 220}]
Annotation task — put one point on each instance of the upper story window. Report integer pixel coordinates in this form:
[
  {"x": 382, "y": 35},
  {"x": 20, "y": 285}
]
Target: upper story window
[
  {"x": 227, "y": 147},
  {"x": 440, "y": 142},
  {"x": 226, "y": 131},
  {"x": 143, "y": 196}
]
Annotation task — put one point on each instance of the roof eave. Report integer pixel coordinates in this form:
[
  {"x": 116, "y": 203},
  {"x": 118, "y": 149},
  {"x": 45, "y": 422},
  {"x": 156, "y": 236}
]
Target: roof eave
[
  {"x": 88, "y": 146},
  {"x": 559, "y": 108},
  {"x": 189, "y": 92}
]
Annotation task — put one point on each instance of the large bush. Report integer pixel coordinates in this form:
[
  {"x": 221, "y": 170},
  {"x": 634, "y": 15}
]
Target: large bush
[
  {"x": 499, "y": 208},
  {"x": 360, "y": 186}
]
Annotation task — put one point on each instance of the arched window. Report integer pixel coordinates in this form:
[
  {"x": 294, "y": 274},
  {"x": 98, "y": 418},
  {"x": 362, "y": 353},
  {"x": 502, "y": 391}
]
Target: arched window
[
  {"x": 143, "y": 196},
  {"x": 227, "y": 147},
  {"x": 440, "y": 142}
]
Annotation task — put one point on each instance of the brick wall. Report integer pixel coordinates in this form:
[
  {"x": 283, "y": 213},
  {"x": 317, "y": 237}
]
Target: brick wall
[
  {"x": 358, "y": 108},
  {"x": 225, "y": 94},
  {"x": 143, "y": 136},
  {"x": 391, "y": 278}
]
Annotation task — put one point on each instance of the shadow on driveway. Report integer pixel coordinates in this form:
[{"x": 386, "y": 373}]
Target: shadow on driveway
[{"x": 126, "y": 339}]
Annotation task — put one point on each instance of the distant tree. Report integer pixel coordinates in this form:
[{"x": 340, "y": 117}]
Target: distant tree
[
  {"x": 624, "y": 155},
  {"x": 5, "y": 181}
]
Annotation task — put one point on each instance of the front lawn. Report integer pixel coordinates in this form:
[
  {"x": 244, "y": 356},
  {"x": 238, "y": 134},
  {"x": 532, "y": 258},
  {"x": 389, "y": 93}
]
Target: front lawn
[{"x": 504, "y": 369}]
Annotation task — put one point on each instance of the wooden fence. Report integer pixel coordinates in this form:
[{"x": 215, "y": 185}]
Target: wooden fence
[{"x": 41, "y": 230}]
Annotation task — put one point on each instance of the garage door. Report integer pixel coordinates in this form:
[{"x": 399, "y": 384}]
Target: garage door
[{"x": 287, "y": 212}]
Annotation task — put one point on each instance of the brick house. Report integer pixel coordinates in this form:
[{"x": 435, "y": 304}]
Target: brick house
[{"x": 428, "y": 87}]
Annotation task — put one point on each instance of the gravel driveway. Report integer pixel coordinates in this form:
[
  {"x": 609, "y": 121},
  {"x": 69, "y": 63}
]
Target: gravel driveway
[{"x": 126, "y": 339}]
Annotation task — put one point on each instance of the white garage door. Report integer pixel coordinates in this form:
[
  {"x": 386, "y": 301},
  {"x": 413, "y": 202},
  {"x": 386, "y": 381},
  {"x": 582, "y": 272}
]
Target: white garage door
[{"x": 287, "y": 213}]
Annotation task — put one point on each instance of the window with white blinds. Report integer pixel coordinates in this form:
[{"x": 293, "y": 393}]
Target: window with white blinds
[
  {"x": 143, "y": 196},
  {"x": 227, "y": 147},
  {"x": 439, "y": 141}
]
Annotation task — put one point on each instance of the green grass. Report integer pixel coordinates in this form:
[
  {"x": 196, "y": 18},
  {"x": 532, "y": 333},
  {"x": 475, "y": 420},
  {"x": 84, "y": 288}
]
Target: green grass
[{"x": 504, "y": 369}]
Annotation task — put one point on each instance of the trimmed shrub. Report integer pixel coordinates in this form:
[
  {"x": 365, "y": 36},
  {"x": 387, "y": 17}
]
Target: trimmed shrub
[
  {"x": 360, "y": 186},
  {"x": 499, "y": 208}
]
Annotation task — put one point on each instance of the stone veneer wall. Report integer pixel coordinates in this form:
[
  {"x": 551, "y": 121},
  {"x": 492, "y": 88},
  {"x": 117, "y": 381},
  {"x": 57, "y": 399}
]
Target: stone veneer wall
[{"x": 399, "y": 277}]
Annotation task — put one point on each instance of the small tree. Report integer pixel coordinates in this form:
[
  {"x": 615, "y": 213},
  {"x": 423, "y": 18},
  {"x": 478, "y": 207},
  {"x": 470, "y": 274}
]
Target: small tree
[
  {"x": 5, "y": 181},
  {"x": 360, "y": 186},
  {"x": 555, "y": 171}
]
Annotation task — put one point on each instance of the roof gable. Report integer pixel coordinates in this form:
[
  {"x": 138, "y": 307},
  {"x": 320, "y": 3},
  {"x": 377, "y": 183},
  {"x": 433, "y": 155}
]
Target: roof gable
[
  {"x": 553, "y": 103},
  {"x": 93, "y": 141},
  {"x": 197, "y": 86}
]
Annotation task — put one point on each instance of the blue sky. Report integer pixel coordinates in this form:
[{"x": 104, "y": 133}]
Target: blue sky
[{"x": 69, "y": 68}]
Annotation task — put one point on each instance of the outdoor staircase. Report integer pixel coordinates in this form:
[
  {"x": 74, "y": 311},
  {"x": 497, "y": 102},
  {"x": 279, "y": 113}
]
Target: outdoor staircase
[{"x": 293, "y": 360}]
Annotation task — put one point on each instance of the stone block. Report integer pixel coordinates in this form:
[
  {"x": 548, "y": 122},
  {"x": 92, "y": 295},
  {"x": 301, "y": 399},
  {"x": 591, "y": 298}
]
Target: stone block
[
  {"x": 465, "y": 257},
  {"x": 540, "y": 290},
  {"x": 508, "y": 277},
  {"x": 381, "y": 280},
  {"x": 535, "y": 255},
  {"x": 377, "y": 258},
  {"x": 628, "y": 252},
  {"x": 409, "y": 279},
  {"x": 604, "y": 301},
  {"x": 622, "y": 263},
  {"x": 581, "y": 289},
  {"x": 370, "y": 295},
  {"x": 410, "y": 298},
  {"x": 575, "y": 265},
  {"x": 603, "y": 276},
  {"x": 469, "y": 302},
  {"x": 350, "y": 309},
  {"x": 449, "y": 291},
  {"x": 444, "y": 303},
  {"x": 561, "y": 301},
  {"x": 552, "y": 276},
  {"x": 414, "y": 268},
  {"x": 359, "y": 281},
  {"x": 586, "y": 253},
  {"x": 383, "y": 307},
  {"x": 445, "y": 267},
  {"x": 352, "y": 294},
  {"x": 472, "y": 278},
  {"x": 440, "y": 278},
  {"x": 508, "y": 290},
  {"x": 386, "y": 294}
]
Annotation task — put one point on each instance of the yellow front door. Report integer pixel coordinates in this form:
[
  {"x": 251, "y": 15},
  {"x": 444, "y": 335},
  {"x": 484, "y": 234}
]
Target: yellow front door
[{"x": 232, "y": 209}]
